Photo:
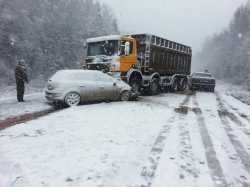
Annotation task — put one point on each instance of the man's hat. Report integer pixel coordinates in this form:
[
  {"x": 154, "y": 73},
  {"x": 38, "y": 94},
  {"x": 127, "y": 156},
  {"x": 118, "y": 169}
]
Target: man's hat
[{"x": 21, "y": 62}]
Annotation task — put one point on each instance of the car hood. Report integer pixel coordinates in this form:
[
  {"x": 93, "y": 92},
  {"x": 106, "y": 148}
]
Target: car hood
[{"x": 123, "y": 85}]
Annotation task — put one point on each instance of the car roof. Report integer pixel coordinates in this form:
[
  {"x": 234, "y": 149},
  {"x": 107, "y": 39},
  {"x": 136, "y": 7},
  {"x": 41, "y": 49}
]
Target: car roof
[
  {"x": 72, "y": 71},
  {"x": 203, "y": 73}
]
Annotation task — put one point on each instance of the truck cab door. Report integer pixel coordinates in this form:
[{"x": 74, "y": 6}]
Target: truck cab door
[{"x": 128, "y": 54}]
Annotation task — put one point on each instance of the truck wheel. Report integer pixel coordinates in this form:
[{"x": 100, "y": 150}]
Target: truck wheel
[
  {"x": 135, "y": 85},
  {"x": 183, "y": 84},
  {"x": 154, "y": 87},
  {"x": 176, "y": 85}
]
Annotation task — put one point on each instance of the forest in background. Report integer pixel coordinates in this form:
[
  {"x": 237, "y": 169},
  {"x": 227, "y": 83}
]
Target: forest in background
[
  {"x": 227, "y": 54},
  {"x": 49, "y": 34}
]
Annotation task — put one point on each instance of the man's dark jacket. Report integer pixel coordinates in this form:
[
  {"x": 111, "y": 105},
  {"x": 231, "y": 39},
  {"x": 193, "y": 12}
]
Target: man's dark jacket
[{"x": 21, "y": 77}]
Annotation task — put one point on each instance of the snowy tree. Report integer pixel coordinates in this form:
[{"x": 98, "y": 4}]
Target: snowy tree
[
  {"x": 227, "y": 54},
  {"x": 49, "y": 34}
]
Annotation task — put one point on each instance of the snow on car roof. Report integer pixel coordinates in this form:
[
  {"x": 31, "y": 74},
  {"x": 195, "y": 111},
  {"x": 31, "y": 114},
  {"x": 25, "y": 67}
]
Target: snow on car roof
[
  {"x": 202, "y": 73},
  {"x": 103, "y": 38},
  {"x": 79, "y": 70}
]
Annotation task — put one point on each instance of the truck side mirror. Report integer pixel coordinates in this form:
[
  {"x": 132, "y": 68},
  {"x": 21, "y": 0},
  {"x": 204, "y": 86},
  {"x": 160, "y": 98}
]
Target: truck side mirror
[
  {"x": 122, "y": 52},
  {"x": 84, "y": 46}
]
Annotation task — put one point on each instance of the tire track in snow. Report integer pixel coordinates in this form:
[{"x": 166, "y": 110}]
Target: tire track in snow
[
  {"x": 243, "y": 115},
  {"x": 189, "y": 172},
  {"x": 186, "y": 153},
  {"x": 232, "y": 116},
  {"x": 129, "y": 171},
  {"x": 241, "y": 151},
  {"x": 148, "y": 171},
  {"x": 212, "y": 160}
]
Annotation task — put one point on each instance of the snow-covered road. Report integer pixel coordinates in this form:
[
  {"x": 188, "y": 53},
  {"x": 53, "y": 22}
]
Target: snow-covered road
[{"x": 197, "y": 139}]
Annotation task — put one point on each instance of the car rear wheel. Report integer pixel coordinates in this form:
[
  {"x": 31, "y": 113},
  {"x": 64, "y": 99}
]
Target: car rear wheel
[
  {"x": 124, "y": 96},
  {"x": 72, "y": 99}
]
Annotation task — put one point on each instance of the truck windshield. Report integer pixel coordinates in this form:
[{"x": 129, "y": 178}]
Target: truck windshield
[{"x": 108, "y": 48}]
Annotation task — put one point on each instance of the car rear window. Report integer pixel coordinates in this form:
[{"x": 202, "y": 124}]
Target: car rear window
[
  {"x": 69, "y": 76},
  {"x": 84, "y": 76},
  {"x": 103, "y": 77},
  {"x": 202, "y": 75},
  {"x": 61, "y": 76}
]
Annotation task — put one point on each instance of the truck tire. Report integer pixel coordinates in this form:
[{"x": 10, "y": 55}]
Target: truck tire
[
  {"x": 175, "y": 85},
  {"x": 183, "y": 84},
  {"x": 154, "y": 87},
  {"x": 135, "y": 84}
]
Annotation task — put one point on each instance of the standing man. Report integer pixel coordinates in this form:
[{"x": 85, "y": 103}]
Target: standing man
[{"x": 21, "y": 77}]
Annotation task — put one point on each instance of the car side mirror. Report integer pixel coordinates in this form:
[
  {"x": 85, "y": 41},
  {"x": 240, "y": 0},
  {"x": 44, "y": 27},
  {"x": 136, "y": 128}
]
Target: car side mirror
[{"x": 114, "y": 84}]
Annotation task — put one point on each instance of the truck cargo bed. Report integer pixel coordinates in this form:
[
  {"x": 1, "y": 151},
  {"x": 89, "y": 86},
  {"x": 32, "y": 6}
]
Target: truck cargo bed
[{"x": 160, "y": 55}]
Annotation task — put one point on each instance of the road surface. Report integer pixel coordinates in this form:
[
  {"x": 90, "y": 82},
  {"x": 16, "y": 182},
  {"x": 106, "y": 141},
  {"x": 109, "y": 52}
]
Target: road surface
[{"x": 192, "y": 139}]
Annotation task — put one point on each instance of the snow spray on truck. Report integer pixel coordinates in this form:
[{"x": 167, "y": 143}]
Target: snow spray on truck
[{"x": 144, "y": 61}]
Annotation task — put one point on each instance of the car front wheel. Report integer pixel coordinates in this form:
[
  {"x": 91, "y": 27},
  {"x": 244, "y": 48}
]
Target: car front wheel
[
  {"x": 72, "y": 99},
  {"x": 124, "y": 96}
]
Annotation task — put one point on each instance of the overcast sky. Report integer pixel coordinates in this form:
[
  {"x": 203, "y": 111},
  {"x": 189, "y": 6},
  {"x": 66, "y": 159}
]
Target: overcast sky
[{"x": 184, "y": 21}]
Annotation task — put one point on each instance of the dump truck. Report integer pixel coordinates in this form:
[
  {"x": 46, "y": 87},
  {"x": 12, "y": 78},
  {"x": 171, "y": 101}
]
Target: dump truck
[{"x": 144, "y": 61}]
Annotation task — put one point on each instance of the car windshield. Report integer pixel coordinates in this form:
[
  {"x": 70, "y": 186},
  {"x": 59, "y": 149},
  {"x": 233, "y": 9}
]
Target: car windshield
[
  {"x": 109, "y": 48},
  {"x": 202, "y": 75}
]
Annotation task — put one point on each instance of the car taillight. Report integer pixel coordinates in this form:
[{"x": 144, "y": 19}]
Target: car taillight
[
  {"x": 50, "y": 87},
  {"x": 212, "y": 81}
]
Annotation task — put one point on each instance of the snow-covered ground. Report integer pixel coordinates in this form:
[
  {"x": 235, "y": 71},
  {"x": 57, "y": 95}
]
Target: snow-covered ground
[
  {"x": 186, "y": 140},
  {"x": 35, "y": 100}
]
